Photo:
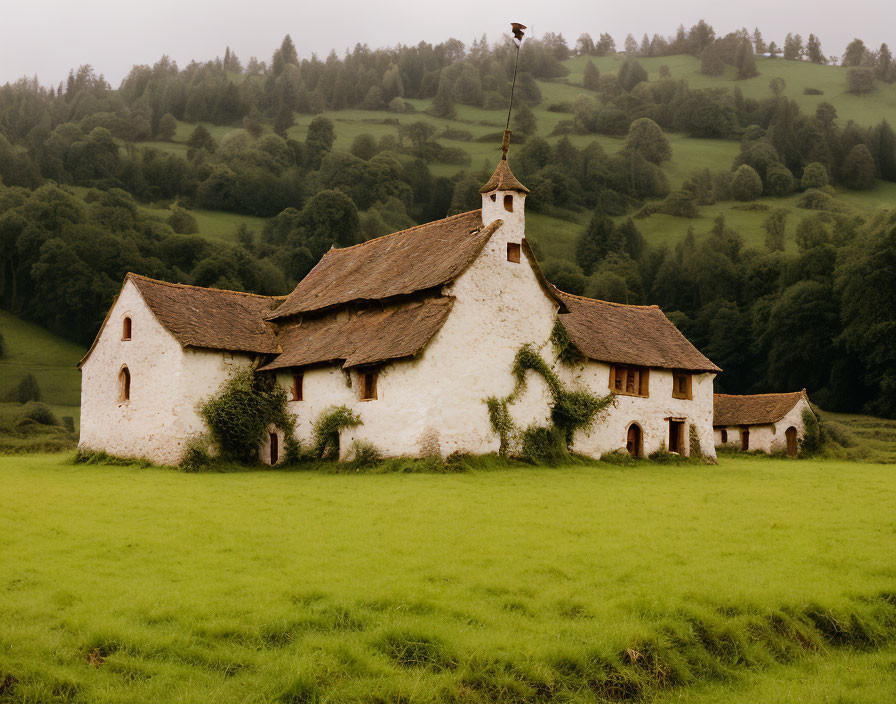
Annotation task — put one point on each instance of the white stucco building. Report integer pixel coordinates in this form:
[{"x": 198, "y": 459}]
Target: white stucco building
[
  {"x": 413, "y": 331},
  {"x": 763, "y": 422}
]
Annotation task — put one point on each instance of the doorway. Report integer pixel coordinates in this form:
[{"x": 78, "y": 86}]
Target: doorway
[
  {"x": 633, "y": 440},
  {"x": 275, "y": 449},
  {"x": 676, "y": 436},
  {"x": 745, "y": 440},
  {"x": 790, "y": 434}
]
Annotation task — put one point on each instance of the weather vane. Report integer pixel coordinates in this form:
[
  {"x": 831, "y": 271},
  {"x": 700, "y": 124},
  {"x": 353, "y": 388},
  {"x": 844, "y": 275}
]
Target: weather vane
[{"x": 517, "y": 30}]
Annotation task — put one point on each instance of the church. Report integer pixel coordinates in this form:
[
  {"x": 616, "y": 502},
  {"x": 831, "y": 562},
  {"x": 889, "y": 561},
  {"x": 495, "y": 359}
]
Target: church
[{"x": 413, "y": 331}]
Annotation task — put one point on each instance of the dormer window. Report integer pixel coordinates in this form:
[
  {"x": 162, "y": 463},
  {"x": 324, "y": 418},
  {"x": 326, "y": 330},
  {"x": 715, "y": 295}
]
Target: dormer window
[
  {"x": 126, "y": 329},
  {"x": 513, "y": 252},
  {"x": 508, "y": 203}
]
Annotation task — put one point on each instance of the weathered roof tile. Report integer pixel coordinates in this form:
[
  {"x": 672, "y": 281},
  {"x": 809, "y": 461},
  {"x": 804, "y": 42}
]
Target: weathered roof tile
[{"x": 755, "y": 409}]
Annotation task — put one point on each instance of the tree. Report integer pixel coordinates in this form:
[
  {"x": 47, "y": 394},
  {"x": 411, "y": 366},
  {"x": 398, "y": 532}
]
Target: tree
[
  {"x": 746, "y": 62},
  {"x": 711, "y": 63},
  {"x": 26, "y": 390},
  {"x": 858, "y": 169},
  {"x": 882, "y": 143},
  {"x": 775, "y": 227},
  {"x": 884, "y": 63},
  {"x": 814, "y": 176},
  {"x": 773, "y": 50},
  {"x": 860, "y": 80},
  {"x": 167, "y": 127},
  {"x": 606, "y": 45},
  {"x": 648, "y": 139},
  {"x": 200, "y": 140},
  {"x": 283, "y": 121},
  {"x": 585, "y": 45},
  {"x": 631, "y": 45},
  {"x": 793, "y": 47},
  {"x": 523, "y": 121},
  {"x": 443, "y": 102},
  {"x": 182, "y": 222},
  {"x": 319, "y": 140},
  {"x": 598, "y": 239},
  {"x": 864, "y": 278},
  {"x": 631, "y": 73},
  {"x": 746, "y": 184},
  {"x": 758, "y": 42},
  {"x": 813, "y": 50},
  {"x": 855, "y": 53},
  {"x": 591, "y": 79}
]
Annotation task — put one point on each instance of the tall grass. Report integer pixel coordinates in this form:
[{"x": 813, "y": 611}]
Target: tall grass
[{"x": 585, "y": 583}]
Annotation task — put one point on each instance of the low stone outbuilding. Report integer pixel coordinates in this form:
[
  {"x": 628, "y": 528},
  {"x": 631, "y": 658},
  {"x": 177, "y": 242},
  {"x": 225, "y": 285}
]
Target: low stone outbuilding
[
  {"x": 413, "y": 331},
  {"x": 764, "y": 422}
]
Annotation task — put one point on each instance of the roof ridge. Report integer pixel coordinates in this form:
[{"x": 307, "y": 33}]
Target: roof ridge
[
  {"x": 132, "y": 275},
  {"x": 403, "y": 232},
  {"x": 609, "y": 303}
]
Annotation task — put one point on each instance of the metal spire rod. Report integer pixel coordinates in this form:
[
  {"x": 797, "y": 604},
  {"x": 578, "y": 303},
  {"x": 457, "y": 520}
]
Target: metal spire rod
[{"x": 517, "y": 29}]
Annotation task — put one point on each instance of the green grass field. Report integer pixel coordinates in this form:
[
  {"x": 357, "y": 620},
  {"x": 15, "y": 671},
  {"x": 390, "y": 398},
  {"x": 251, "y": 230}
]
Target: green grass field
[{"x": 754, "y": 580}]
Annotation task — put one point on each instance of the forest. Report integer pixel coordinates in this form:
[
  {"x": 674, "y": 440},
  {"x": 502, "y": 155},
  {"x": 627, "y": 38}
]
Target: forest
[{"x": 98, "y": 181}]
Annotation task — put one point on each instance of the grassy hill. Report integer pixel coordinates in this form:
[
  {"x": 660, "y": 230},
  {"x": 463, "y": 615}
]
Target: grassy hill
[
  {"x": 33, "y": 350},
  {"x": 688, "y": 154}
]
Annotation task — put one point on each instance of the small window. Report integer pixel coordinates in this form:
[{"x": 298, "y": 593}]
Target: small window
[
  {"x": 629, "y": 380},
  {"x": 297, "y": 382},
  {"x": 494, "y": 197},
  {"x": 724, "y": 436},
  {"x": 513, "y": 252},
  {"x": 124, "y": 384},
  {"x": 508, "y": 203},
  {"x": 681, "y": 385},
  {"x": 126, "y": 329},
  {"x": 368, "y": 386}
]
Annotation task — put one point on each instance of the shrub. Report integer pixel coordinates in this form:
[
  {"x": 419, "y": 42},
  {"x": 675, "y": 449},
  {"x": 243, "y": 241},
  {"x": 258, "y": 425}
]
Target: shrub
[
  {"x": 544, "y": 445},
  {"x": 662, "y": 456},
  {"x": 182, "y": 222},
  {"x": 814, "y": 176},
  {"x": 37, "y": 412},
  {"x": 812, "y": 436},
  {"x": 240, "y": 415},
  {"x": 365, "y": 453},
  {"x": 327, "y": 428},
  {"x": 26, "y": 390},
  {"x": 746, "y": 184},
  {"x": 779, "y": 181},
  {"x": 858, "y": 169},
  {"x": 618, "y": 457},
  {"x": 812, "y": 91},
  {"x": 196, "y": 456},
  {"x": 681, "y": 204}
]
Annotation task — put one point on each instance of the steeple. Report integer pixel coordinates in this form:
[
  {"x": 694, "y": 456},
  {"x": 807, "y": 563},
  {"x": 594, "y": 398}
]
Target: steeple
[{"x": 503, "y": 195}]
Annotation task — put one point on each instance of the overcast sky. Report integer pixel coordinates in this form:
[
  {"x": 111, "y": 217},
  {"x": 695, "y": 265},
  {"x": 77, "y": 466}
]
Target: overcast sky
[{"x": 48, "y": 37}]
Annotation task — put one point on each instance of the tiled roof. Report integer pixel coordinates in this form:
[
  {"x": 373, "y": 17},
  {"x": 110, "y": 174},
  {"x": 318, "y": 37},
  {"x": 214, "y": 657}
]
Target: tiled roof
[{"x": 756, "y": 409}]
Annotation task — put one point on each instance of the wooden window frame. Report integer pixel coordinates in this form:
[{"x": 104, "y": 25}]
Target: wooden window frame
[
  {"x": 641, "y": 380},
  {"x": 687, "y": 394},
  {"x": 127, "y": 327},
  {"x": 681, "y": 425},
  {"x": 297, "y": 389},
  {"x": 508, "y": 202},
  {"x": 513, "y": 252},
  {"x": 368, "y": 384}
]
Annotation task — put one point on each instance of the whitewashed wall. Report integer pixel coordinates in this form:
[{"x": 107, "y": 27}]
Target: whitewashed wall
[
  {"x": 436, "y": 403},
  {"x": 767, "y": 437},
  {"x": 167, "y": 384}
]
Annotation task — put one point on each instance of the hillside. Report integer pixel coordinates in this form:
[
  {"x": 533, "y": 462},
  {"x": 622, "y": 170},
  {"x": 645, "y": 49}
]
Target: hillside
[{"x": 52, "y": 360}]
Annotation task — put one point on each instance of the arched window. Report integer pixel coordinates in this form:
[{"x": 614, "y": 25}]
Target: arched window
[
  {"x": 508, "y": 203},
  {"x": 124, "y": 384},
  {"x": 126, "y": 329}
]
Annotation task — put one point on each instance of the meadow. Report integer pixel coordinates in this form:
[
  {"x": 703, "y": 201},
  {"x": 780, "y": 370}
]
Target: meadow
[{"x": 754, "y": 580}]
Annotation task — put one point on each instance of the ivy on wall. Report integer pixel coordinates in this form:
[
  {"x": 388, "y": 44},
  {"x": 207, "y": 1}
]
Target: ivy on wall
[{"x": 571, "y": 409}]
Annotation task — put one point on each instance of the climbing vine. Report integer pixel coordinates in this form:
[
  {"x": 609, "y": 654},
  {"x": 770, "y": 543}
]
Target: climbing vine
[
  {"x": 565, "y": 349},
  {"x": 571, "y": 410},
  {"x": 239, "y": 416}
]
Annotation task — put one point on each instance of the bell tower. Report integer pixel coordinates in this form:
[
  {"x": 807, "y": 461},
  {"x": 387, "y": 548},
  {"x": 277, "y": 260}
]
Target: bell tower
[{"x": 504, "y": 198}]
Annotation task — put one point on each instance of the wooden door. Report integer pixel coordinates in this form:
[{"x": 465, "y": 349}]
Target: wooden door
[
  {"x": 790, "y": 434},
  {"x": 275, "y": 449},
  {"x": 676, "y": 436},
  {"x": 633, "y": 442},
  {"x": 745, "y": 440}
]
